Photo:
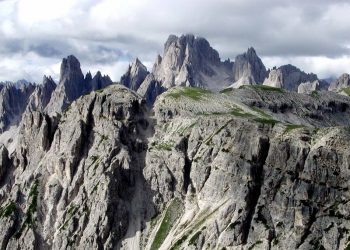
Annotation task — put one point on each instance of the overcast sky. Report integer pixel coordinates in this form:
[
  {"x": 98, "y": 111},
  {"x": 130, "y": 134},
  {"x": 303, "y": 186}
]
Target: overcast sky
[{"x": 107, "y": 34}]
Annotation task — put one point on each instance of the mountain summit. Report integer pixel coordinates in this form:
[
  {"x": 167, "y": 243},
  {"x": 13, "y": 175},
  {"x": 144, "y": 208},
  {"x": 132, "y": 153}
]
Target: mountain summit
[
  {"x": 187, "y": 61},
  {"x": 248, "y": 69},
  {"x": 72, "y": 84}
]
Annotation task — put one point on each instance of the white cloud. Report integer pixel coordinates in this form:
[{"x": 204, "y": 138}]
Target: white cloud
[{"x": 312, "y": 34}]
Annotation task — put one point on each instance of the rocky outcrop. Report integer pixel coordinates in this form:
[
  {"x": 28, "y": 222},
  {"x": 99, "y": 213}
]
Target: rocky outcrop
[
  {"x": 250, "y": 167},
  {"x": 72, "y": 85},
  {"x": 97, "y": 82},
  {"x": 248, "y": 69},
  {"x": 189, "y": 61},
  {"x": 288, "y": 77},
  {"x": 67, "y": 192},
  {"x": 13, "y": 101},
  {"x": 239, "y": 178},
  {"x": 41, "y": 95},
  {"x": 135, "y": 75},
  {"x": 342, "y": 82},
  {"x": 309, "y": 87},
  {"x": 150, "y": 89}
]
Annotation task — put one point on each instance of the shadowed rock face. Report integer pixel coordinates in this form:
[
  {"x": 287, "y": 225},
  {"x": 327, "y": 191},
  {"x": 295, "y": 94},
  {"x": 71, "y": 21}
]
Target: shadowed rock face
[
  {"x": 13, "y": 102},
  {"x": 248, "y": 69},
  {"x": 288, "y": 77},
  {"x": 41, "y": 95},
  {"x": 245, "y": 168},
  {"x": 135, "y": 75},
  {"x": 72, "y": 85}
]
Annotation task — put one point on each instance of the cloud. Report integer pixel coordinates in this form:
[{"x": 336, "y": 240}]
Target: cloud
[{"x": 36, "y": 34}]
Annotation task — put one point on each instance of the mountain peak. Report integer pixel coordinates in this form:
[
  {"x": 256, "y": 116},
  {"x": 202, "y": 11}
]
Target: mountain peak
[
  {"x": 251, "y": 51},
  {"x": 70, "y": 65},
  {"x": 248, "y": 68},
  {"x": 135, "y": 75}
]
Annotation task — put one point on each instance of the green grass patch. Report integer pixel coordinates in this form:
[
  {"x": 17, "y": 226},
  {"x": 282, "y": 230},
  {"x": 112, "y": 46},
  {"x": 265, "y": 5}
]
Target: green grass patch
[
  {"x": 164, "y": 146},
  {"x": 266, "y": 121},
  {"x": 263, "y": 87},
  {"x": 7, "y": 210},
  {"x": 179, "y": 242},
  {"x": 227, "y": 90},
  {"x": 194, "y": 238},
  {"x": 315, "y": 94},
  {"x": 347, "y": 247},
  {"x": 171, "y": 215},
  {"x": 291, "y": 127},
  {"x": 236, "y": 111},
  {"x": 346, "y": 91},
  {"x": 69, "y": 215},
  {"x": 190, "y": 92},
  {"x": 261, "y": 112}
]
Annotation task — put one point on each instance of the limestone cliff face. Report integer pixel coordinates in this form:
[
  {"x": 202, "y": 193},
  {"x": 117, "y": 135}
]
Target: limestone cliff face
[
  {"x": 135, "y": 75},
  {"x": 187, "y": 61},
  {"x": 247, "y": 168},
  {"x": 14, "y": 99},
  {"x": 342, "y": 82},
  {"x": 290, "y": 77},
  {"x": 72, "y": 85},
  {"x": 248, "y": 69},
  {"x": 74, "y": 188}
]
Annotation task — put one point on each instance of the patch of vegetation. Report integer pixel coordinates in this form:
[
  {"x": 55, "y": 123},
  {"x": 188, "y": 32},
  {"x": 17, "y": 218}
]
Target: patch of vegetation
[
  {"x": 179, "y": 242},
  {"x": 190, "y": 92},
  {"x": 195, "y": 237},
  {"x": 7, "y": 210},
  {"x": 290, "y": 127},
  {"x": 227, "y": 90},
  {"x": 94, "y": 158},
  {"x": 69, "y": 215},
  {"x": 255, "y": 244},
  {"x": 263, "y": 87},
  {"x": 207, "y": 141},
  {"x": 181, "y": 131},
  {"x": 347, "y": 247},
  {"x": 261, "y": 112},
  {"x": 266, "y": 121},
  {"x": 99, "y": 91},
  {"x": 172, "y": 213},
  {"x": 29, "y": 216},
  {"x": 315, "y": 94},
  {"x": 346, "y": 91},
  {"x": 94, "y": 188},
  {"x": 165, "y": 146},
  {"x": 236, "y": 111}
]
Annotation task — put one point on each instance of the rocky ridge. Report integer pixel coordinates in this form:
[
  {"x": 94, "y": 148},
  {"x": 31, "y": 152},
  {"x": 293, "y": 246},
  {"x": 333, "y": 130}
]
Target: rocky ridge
[{"x": 240, "y": 169}]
